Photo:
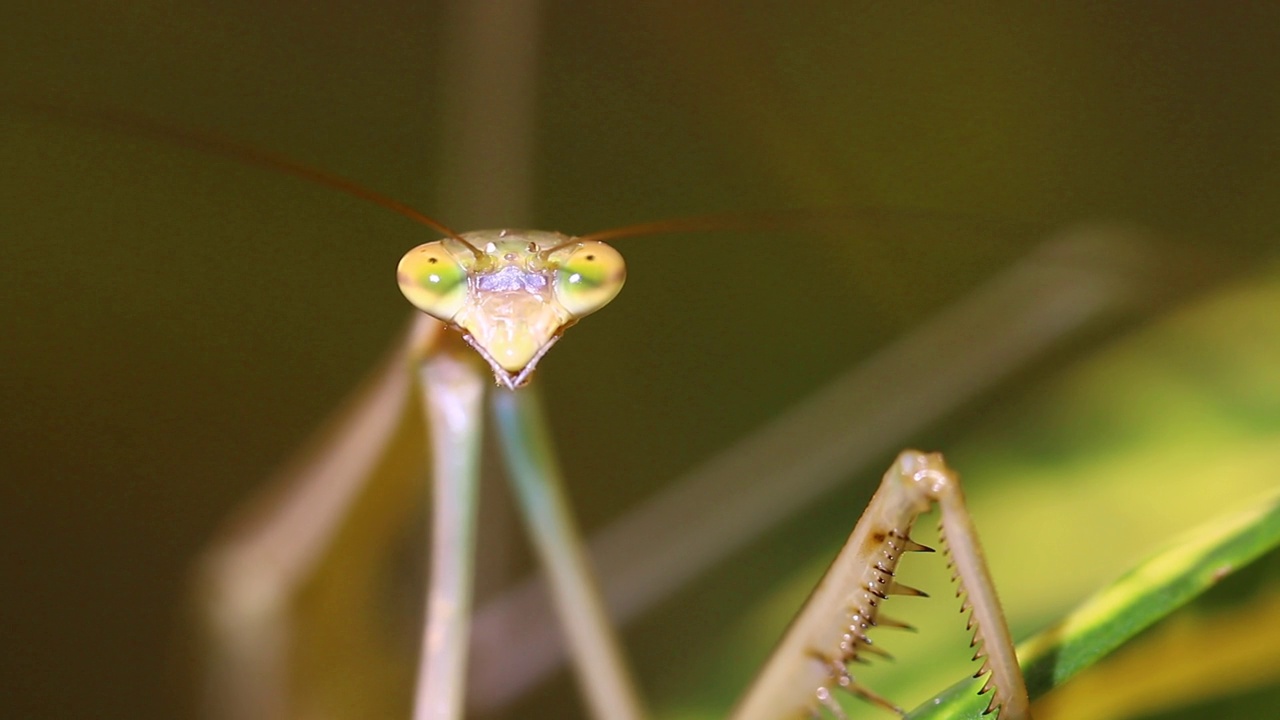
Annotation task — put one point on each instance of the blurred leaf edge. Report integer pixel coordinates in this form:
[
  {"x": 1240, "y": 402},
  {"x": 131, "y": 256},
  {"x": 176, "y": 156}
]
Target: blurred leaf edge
[{"x": 1153, "y": 590}]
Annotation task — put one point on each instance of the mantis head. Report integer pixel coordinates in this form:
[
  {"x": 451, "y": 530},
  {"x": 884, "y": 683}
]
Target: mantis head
[{"x": 511, "y": 293}]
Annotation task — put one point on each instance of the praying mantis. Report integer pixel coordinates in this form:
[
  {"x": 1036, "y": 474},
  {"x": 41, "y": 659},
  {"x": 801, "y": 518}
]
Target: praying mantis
[
  {"x": 427, "y": 343},
  {"x": 510, "y": 295},
  {"x": 251, "y": 572},
  {"x": 561, "y": 362}
]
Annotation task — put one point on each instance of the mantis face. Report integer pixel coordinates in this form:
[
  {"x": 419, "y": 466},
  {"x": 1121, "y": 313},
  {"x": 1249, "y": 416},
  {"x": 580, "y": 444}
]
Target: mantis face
[{"x": 511, "y": 292}]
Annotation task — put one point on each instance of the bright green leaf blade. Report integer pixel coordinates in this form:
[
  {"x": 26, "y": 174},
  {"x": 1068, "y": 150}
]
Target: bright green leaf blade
[
  {"x": 1134, "y": 602},
  {"x": 1234, "y": 675}
]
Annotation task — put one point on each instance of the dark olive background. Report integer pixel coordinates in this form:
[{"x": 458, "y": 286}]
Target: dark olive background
[{"x": 174, "y": 323}]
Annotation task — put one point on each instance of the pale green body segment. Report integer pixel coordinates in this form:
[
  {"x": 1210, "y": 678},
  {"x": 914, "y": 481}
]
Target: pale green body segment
[{"x": 511, "y": 292}]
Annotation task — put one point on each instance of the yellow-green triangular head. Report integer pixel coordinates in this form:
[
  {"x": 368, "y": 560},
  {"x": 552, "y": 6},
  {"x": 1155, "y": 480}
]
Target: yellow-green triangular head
[{"x": 514, "y": 294}]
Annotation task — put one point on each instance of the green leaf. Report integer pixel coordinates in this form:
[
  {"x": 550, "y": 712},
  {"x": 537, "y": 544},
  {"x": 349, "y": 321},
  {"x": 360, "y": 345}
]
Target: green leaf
[{"x": 1134, "y": 602}]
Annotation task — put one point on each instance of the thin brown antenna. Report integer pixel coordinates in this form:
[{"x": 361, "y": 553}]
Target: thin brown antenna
[
  {"x": 696, "y": 223},
  {"x": 213, "y": 143},
  {"x": 818, "y": 219}
]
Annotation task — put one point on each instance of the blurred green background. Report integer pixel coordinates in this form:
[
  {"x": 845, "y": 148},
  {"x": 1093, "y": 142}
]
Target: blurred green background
[{"x": 176, "y": 324}]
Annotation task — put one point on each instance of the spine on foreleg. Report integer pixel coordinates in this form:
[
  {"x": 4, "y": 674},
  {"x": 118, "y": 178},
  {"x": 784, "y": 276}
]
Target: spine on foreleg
[{"x": 811, "y": 662}]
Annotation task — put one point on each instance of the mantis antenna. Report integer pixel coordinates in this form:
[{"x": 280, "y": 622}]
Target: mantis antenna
[{"x": 215, "y": 144}]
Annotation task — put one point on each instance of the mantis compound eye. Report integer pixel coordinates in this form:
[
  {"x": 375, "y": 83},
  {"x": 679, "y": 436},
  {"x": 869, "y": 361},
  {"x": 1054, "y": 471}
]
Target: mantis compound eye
[
  {"x": 434, "y": 280},
  {"x": 589, "y": 278}
]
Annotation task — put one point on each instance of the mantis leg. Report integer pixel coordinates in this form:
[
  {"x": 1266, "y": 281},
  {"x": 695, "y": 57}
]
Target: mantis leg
[
  {"x": 603, "y": 675},
  {"x": 249, "y": 577},
  {"x": 452, "y": 390},
  {"x": 811, "y": 661}
]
